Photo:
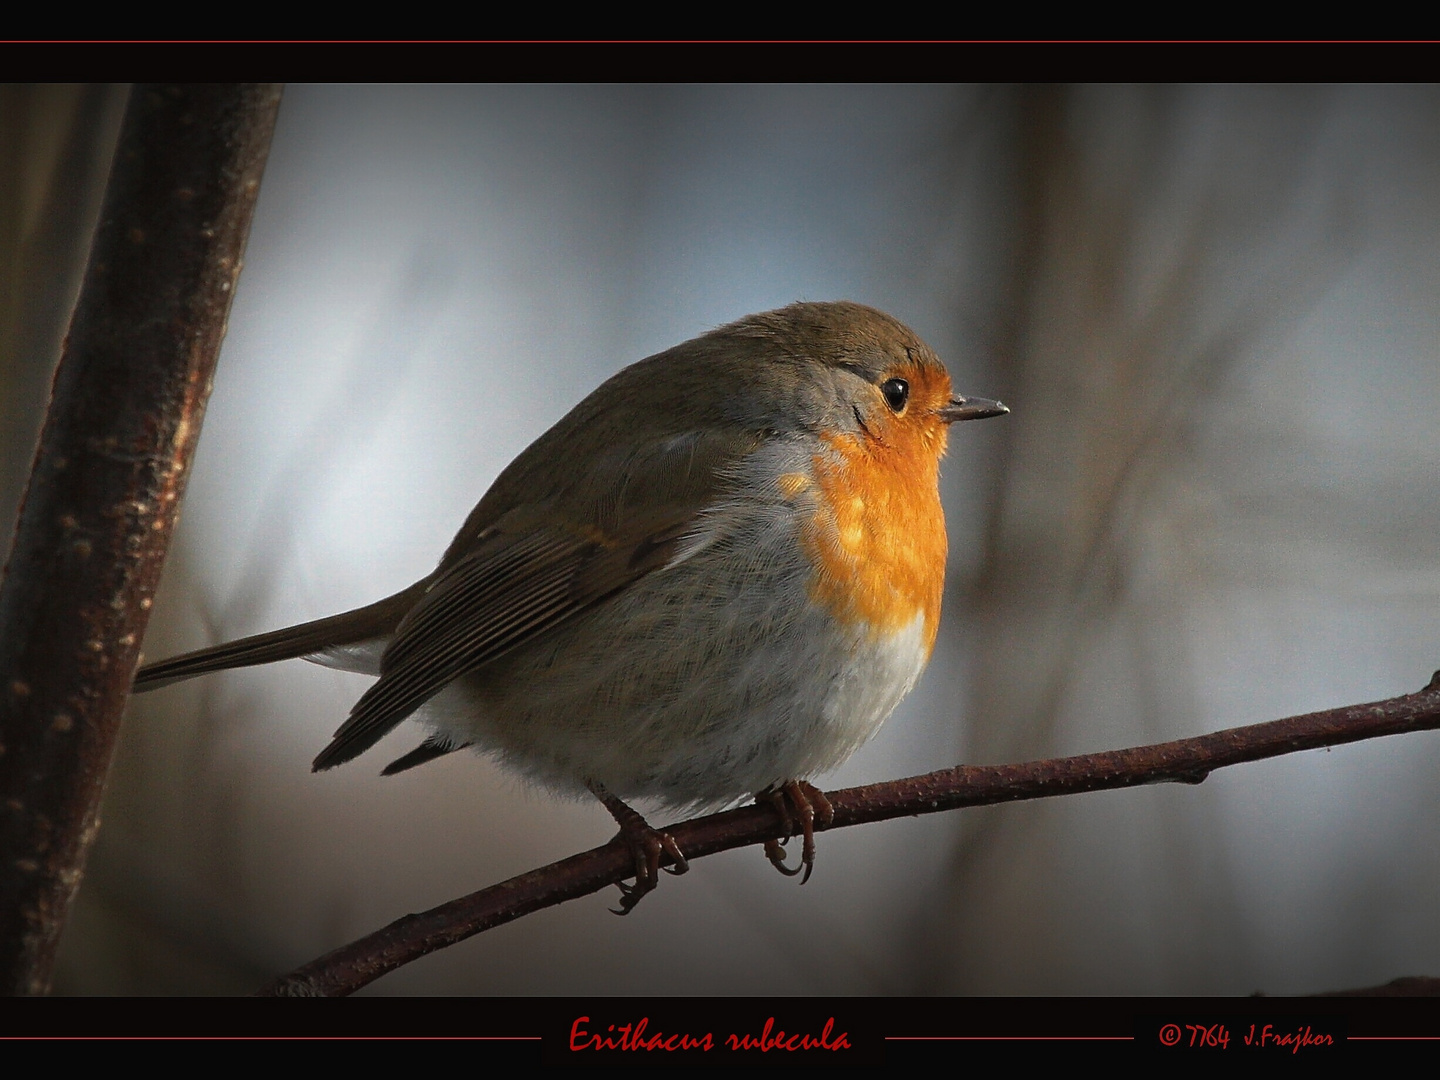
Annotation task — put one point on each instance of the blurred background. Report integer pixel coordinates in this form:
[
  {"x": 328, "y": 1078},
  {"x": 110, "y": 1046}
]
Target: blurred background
[{"x": 1215, "y": 312}]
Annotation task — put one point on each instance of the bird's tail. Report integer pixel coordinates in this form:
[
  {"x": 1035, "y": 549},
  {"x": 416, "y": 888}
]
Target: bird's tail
[{"x": 377, "y": 620}]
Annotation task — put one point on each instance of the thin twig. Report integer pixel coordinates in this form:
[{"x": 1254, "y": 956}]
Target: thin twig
[{"x": 1186, "y": 761}]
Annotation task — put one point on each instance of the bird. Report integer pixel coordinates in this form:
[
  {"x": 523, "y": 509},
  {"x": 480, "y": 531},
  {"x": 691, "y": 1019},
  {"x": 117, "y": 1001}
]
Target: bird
[{"x": 714, "y": 578}]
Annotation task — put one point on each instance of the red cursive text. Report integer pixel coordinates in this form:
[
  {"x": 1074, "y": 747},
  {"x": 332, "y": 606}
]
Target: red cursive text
[
  {"x": 1295, "y": 1041},
  {"x": 781, "y": 1040},
  {"x": 634, "y": 1037}
]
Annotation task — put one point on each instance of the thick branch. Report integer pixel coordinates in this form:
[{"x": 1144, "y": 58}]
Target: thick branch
[
  {"x": 1186, "y": 761},
  {"x": 124, "y": 417}
]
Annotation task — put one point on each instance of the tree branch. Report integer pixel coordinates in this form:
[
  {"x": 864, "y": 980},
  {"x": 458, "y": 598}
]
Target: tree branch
[
  {"x": 95, "y": 524},
  {"x": 1186, "y": 761}
]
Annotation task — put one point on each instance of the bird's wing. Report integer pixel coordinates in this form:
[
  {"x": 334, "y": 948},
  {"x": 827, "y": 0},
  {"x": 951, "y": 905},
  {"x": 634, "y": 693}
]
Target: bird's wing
[{"x": 526, "y": 574}]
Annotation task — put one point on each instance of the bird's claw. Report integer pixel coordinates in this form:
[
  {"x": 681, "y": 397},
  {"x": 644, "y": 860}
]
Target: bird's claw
[
  {"x": 646, "y": 846},
  {"x": 775, "y": 852},
  {"x": 812, "y": 808}
]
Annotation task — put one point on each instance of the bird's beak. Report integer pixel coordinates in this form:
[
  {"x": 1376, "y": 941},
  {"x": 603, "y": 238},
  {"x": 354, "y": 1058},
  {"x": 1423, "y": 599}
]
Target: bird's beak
[{"x": 970, "y": 408}]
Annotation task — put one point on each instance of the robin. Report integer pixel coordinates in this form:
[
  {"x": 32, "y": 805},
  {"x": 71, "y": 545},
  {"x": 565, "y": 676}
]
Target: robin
[{"x": 714, "y": 578}]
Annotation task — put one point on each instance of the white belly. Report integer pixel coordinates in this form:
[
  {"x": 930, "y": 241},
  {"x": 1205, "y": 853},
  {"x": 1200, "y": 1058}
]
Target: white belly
[{"x": 700, "y": 685}]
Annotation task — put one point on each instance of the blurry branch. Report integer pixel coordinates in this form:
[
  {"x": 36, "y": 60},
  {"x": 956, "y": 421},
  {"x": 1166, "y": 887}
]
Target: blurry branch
[
  {"x": 124, "y": 417},
  {"x": 1113, "y": 391},
  {"x": 59, "y": 141},
  {"x": 1186, "y": 761},
  {"x": 1405, "y": 986},
  {"x": 1143, "y": 281}
]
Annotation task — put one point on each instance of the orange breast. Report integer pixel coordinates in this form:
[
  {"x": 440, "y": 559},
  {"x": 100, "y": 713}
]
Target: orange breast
[{"x": 878, "y": 537}]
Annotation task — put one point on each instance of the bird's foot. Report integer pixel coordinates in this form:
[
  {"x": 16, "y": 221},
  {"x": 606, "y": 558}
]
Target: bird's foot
[
  {"x": 646, "y": 846},
  {"x": 811, "y": 808}
]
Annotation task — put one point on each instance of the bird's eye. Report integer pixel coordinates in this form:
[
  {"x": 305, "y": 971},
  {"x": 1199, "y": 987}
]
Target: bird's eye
[{"x": 897, "y": 392}]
